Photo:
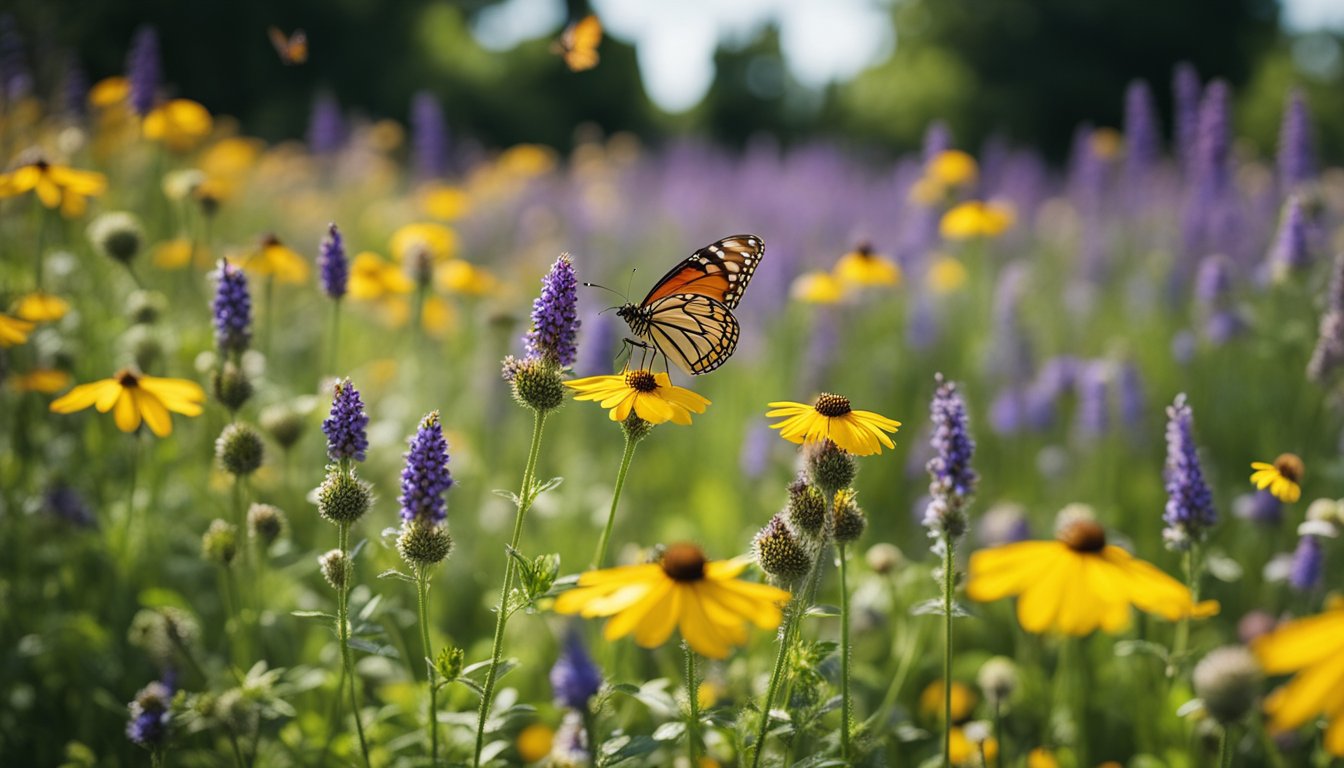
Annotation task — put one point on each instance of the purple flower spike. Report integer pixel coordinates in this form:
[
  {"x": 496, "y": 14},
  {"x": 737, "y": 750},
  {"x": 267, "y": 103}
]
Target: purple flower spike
[
  {"x": 16, "y": 81},
  {"x": 332, "y": 263},
  {"x": 1189, "y": 512},
  {"x": 1291, "y": 252},
  {"x": 233, "y": 309},
  {"x": 1308, "y": 564},
  {"x": 575, "y": 678},
  {"x": 429, "y": 136},
  {"x": 951, "y": 479},
  {"x": 150, "y": 716},
  {"x": 326, "y": 126},
  {"x": 1329, "y": 352},
  {"x": 345, "y": 427},
  {"x": 1186, "y": 92},
  {"x": 1296, "y": 158},
  {"x": 425, "y": 478},
  {"x": 1143, "y": 142},
  {"x": 143, "y": 70},
  {"x": 555, "y": 315}
]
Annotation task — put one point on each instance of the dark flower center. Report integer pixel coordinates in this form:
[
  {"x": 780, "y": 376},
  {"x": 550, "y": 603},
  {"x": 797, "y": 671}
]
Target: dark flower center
[
  {"x": 42, "y": 165},
  {"x": 127, "y": 378},
  {"x": 1083, "y": 536},
  {"x": 864, "y": 249},
  {"x": 269, "y": 239},
  {"x": 1290, "y": 466},
  {"x": 830, "y": 406},
  {"x": 641, "y": 380},
  {"x": 684, "y": 563}
]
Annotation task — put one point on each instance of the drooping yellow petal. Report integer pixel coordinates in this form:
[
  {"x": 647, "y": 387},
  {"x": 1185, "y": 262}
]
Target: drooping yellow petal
[
  {"x": 698, "y": 631},
  {"x": 1301, "y": 643},
  {"x": 47, "y": 191},
  {"x": 661, "y": 618},
  {"x": 177, "y": 395},
  {"x": 125, "y": 413},
  {"x": 1307, "y": 695},
  {"x": 1007, "y": 570},
  {"x": 83, "y": 396},
  {"x": 155, "y": 415},
  {"x": 1039, "y": 607}
]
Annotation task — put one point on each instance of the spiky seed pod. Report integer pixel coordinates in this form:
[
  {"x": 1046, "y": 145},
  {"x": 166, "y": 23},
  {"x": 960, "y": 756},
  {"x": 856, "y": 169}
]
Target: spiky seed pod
[
  {"x": 537, "y": 385},
  {"x": 779, "y": 552},
  {"x": 335, "y": 566},
  {"x": 283, "y": 423},
  {"x": 232, "y": 387},
  {"x": 849, "y": 522},
  {"x": 829, "y": 466},
  {"x": 807, "y": 508},
  {"x": 998, "y": 680},
  {"x": 424, "y": 543},
  {"x": 219, "y": 544},
  {"x": 343, "y": 497},
  {"x": 265, "y": 523},
  {"x": 239, "y": 449},
  {"x": 1228, "y": 680}
]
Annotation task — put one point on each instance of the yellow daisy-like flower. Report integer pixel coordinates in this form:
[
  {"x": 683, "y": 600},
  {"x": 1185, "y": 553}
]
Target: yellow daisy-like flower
[
  {"x": 273, "y": 258},
  {"x": 952, "y": 168},
  {"x": 110, "y": 92},
  {"x": 962, "y": 752},
  {"x": 946, "y": 275},
  {"x": 817, "y": 288},
  {"x": 705, "y": 599},
  {"x": 1282, "y": 478},
  {"x": 1313, "y": 650},
  {"x": 862, "y": 266},
  {"x": 534, "y": 742},
  {"x": 42, "y": 380},
  {"x": 55, "y": 185},
  {"x": 963, "y": 701},
  {"x": 179, "y": 124},
  {"x": 926, "y": 191},
  {"x": 975, "y": 219},
  {"x": 1041, "y": 757},
  {"x": 133, "y": 397},
  {"x": 14, "y": 331},
  {"x": 436, "y": 241},
  {"x": 526, "y": 160},
  {"x": 373, "y": 277},
  {"x": 231, "y": 157},
  {"x": 648, "y": 395},
  {"x": 177, "y": 253},
  {"x": 862, "y": 433},
  {"x": 459, "y": 276},
  {"x": 1078, "y": 583},
  {"x": 41, "y": 307},
  {"x": 446, "y": 202}
]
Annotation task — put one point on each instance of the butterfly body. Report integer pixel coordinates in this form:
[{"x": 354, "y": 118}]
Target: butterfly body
[
  {"x": 688, "y": 315},
  {"x": 578, "y": 44},
  {"x": 292, "y": 49}
]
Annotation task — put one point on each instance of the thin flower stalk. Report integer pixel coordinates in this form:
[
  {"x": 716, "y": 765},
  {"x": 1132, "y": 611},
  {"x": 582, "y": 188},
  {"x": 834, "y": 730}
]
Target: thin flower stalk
[{"x": 600, "y": 558}]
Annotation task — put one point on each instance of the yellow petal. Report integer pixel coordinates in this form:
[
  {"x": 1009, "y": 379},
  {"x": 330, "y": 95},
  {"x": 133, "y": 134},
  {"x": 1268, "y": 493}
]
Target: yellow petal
[
  {"x": 1301, "y": 643},
  {"x": 1039, "y": 606},
  {"x": 661, "y": 618},
  {"x": 1307, "y": 695},
  {"x": 125, "y": 413},
  {"x": 83, "y": 396},
  {"x": 177, "y": 395},
  {"x": 155, "y": 415}
]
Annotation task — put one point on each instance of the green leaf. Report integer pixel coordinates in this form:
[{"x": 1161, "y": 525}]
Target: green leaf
[
  {"x": 158, "y": 597},
  {"x": 934, "y": 607},
  {"x": 822, "y": 610},
  {"x": 375, "y": 649},
  {"x": 1141, "y": 648},
  {"x": 313, "y": 615},
  {"x": 393, "y": 573}
]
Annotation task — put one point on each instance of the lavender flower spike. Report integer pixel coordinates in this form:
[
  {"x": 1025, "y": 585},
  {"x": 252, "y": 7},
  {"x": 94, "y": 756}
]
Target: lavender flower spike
[
  {"x": 952, "y": 481},
  {"x": 149, "y": 716},
  {"x": 429, "y": 136},
  {"x": 575, "y": 678},
  {"x": 1186, "y": 93},
  {"x": 1189, "y": 512},
  {"x": 1329, "y": 353},
  {"x": 332, "y": 263},
  {"x": 143, "y": 69},
  {"x": 425, "y": 478},
  {"x": 1291, "y": 252},
  {"x": 345, "y": 427},
  {"x": 555, "y": 315},
  {"x": 1308, "y": 564},
  {"x": 1296, "y": 158},
  {"x": 233, "y": 309},
  {"x": 1143, "y": 144}
]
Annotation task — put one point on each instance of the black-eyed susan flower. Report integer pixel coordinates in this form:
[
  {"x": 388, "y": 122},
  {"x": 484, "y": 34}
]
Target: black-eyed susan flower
[
  {"x": 179, "y": 124},
  {"x": 429, "y": 241},
  {"x": 1078, "y": 583},
  {"x": 830, "y": 417},
  {"x": 443, "y": 201},
  {"x": 273, "y": 258},
  {"x": 41, "y": 307},
  {"x": 976, "y": 219},
  {"x": 946, "y": 274},
  {"x": 865, "y": 267},
  {"x": 648, "y": 395},
  {"x": 817, "y": 288},
  {"x": 45, "y": 381},
  {"x": 55, "y": 185},
  {"x": 14, "y": 331},
  {"x": 373, "y": 277},
  {"x": 1313, "y": 650},
  {"x": 952, "y": 168},
  {"x": 134, "y": 397},
  {"x": 458, "y": 276},
  {"x": 1282, "y": 478},
  {"x": 684, "y": 590}
]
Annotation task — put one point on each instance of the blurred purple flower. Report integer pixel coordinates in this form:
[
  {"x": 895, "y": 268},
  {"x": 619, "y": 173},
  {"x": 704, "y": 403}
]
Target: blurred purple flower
[
  {"x": 143, "y": 69},
  {"x": 575, "y": 678},
  {"x": 1003, "y": 524},
  {"x": 1328, "y": 355},
  {"x": 150, "y": 716},
  {"x": 425, "y": 478},
  {"x": 1296, "y": 156},
  {"x": 232, "y": 309},
  {"x": 1259, "y": 507},
  {"x": 1143, "y": 140},
  {"x": 326, "y": 125},
  {"x": 555, "y": 315},
  {"x": 65, "y": 504},
  {"x": 1132, "y": 402},
  {"x": 1189, "y": 511},
  {"x": 429, "y": 136},
  {"x": 1093, "y": 415},
  {"x": 1186, "y": 90},
  {"x": 346, "y": 426},
  {"x": 16, "y": 80},
  {"x": 74, "y": 88},
  {"x": 1290, "y": 252},
  {"x": 332, "y": 263},
  {"x": 1213, "y": 281},
  {"x": 1308, "y": 566}
]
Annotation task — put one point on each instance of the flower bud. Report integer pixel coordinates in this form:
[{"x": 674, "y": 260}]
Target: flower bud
[
  {"x": 997, "y": 679},
  {"x": 283, "y": 423},
  {"x": 635, "y": 428},
  {"x": 807, "y": 508},
  {"x": 342, "y": 497},
  {"x": 779, "y": 552},
  {"x": 219, "y": 544},
  {"x": 239, "y": 449},
  {"x": 265, "y": 523},
  {"x": 144, "y": 346},
  {"x": 335, "y": 566},
  {"x": 237, "y": 711},
  {"x": 231, "y": 386},
  {"x": 117, "y": 235},
  {"x": 830, "y": 467},
  {"x": 1228, "y": 680},
  {"x": 424, "y": 543},
  {"x": 884, "y": 558},
  {"x": 537, "y": 384},
  {"x": 849, "y": 521},
  {"x": 146, "y": 307}
]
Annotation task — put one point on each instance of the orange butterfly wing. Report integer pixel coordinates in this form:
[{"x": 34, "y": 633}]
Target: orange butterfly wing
[
  {"x": 719, "y": 271},
  {"x": 292, "y": 49},
  {"x": 578, "y": 43}
]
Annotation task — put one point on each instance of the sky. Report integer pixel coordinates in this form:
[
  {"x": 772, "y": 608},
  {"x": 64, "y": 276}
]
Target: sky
[{"x": 822, "y": 40}]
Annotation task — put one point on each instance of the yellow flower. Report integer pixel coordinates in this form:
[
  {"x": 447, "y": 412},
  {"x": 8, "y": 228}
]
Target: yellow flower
[
  {"x": 277, "y": 260},
  {"x": 1282, "y": 478},
  {"x": 926, "y": 191},
  {"x": 951, "y": 168},
  {"x": 705, "y": 599},
  {"x": 1041, "y": 757},
  {"x": 963, "y": 701},
  {"x": 43, "y": 380},
  {"x": 862, "y": 266},
  {"x": 14, "y": 331},
  {"x": 437, "y": 242},
  {"x": 110, "y": 92},
  {"x": 648, "y": 395},
  {"x": 709, "y": 693},
  {"x": 459, "y": 276},
  {"x": 132, "y": 396},
  {"x": 1313, "y": 649},
  {"x": 1078, "y": 583},
  {"x": 55, "y": 185},
  {"x": 862, "y": 433},
  {"x": 534, "y": 742},
  {"x": 1106, "y": 143},
  {"x": 962, "y": 752},
  {"x": 817, "y": 288},
  {"x": 177, "y": 253},
  {"x": 946, "y": 275},
  {"x": 371, "y": 277},
  {"x": 974, "y": 219},
  {"x": 40, "y": 307},
  {"x": 385, "y": 135},
  {"x": 180, "y": 124},
  {"x": 442, "y": 201},
  {"x": 526, "y": 160},
  {"x": 231, "y": 157}
]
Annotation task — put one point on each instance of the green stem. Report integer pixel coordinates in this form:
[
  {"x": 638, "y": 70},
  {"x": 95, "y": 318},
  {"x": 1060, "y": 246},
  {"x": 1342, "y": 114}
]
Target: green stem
[
  {"x": 998, "y": 733},
  {"x": 1267, "y": 744},
  {"x": 343, "y": 635},
  {"x": 1190, "y": 561},
  {"x": 949, "y": 584},
  {"x": 1224, "y": 756},
  {"x": 334, "y": 353},
  {"x": 601, "y": 557},
  {"x": 1080, "y": 691},
  {"x": 422, "y": 592},
  {"x": 42, "y": 219},
  {"x": 502, "y": 617},
  {"x": 237, "y": 752},
  {"x": 791, "y": 613},
  {"x": 846, "y": 711},
  {"x": 693, "y": 721},
  {"x": 128, "y": 527},
  {"x": 270, "y": 317}
]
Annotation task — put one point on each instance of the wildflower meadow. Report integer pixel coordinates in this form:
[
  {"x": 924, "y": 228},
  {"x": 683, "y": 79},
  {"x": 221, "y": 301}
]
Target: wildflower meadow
[{"x": 390, "y": 447}]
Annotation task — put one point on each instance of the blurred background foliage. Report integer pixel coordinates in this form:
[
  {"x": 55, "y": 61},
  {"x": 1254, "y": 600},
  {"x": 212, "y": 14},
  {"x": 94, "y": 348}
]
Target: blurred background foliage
[{"x": 1028, "y": 70}]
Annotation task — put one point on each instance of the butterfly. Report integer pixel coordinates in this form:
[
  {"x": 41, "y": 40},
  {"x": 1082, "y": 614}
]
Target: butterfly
[
  {"x": 578, "y": 44},
  {"x": 293, "y": 49},
  {"x": 688, "y": 314}
]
